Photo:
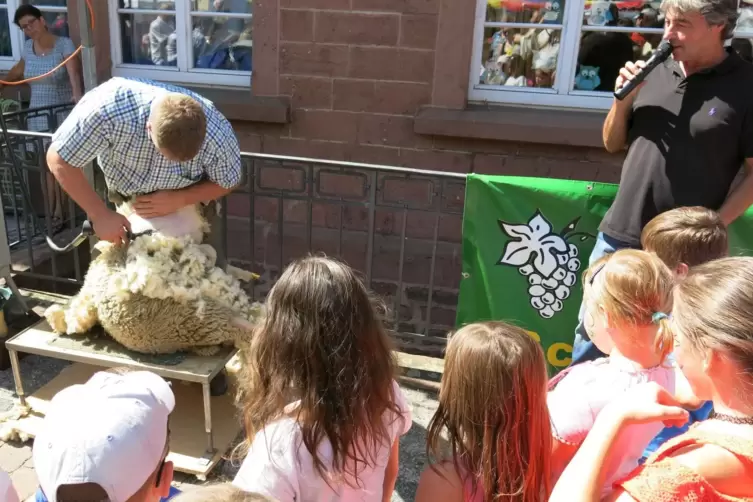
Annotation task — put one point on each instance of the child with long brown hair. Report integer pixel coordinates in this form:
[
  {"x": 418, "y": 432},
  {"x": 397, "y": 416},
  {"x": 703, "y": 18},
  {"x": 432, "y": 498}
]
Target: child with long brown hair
[
  {"x": 492, "y": 405},
  {"x": 322, "y": 411},
  {"x": 628, "y": 296}
]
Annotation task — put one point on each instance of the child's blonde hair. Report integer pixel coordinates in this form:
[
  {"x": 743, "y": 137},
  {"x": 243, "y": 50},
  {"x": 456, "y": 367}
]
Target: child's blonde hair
[
  {"x": 492, "y": 404},
  {"x": 689, "y": 235},
  {"x": 714, "y": 310},
  {"x": 322, "y": 341},
  {"x": 634, "y": 288}
]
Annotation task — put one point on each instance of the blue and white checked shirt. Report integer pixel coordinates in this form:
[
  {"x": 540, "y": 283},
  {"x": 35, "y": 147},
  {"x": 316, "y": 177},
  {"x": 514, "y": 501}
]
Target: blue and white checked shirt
[{"x": 109, "y": 123}]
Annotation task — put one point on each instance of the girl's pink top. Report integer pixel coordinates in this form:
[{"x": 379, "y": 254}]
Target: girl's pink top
[
  {"x": 576, "y": 398},
  {"x": 471, "y": 495}
]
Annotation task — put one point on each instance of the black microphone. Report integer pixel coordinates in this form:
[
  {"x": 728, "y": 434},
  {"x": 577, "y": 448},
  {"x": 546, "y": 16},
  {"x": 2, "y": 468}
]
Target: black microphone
[{"x": 660, "y": 55}]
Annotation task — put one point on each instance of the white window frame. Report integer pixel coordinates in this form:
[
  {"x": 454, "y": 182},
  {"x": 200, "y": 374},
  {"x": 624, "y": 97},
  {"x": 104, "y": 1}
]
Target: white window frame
[
  {"x": 17, "y": 34},
  {"x": 182, "y": 73},
  {"x": 562, "y": 94}
]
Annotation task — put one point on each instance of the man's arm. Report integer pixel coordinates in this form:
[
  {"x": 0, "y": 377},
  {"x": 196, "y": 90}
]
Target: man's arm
[
  {"x": 169, "y": 201},
  {"x": 79, "y": 140},
  {"x": 223, "y": 179},
  {"x": 615, "y": 130},
  {"x": 73, "y": 181},
  {"x": 741, "y": 197}
]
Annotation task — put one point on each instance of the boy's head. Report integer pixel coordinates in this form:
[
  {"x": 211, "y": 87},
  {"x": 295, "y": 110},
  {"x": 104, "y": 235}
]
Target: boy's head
[
  {"x": 107, "y": 439},
  {"x": 224, "y": 492},
  {"x": 686, "y": 237}
]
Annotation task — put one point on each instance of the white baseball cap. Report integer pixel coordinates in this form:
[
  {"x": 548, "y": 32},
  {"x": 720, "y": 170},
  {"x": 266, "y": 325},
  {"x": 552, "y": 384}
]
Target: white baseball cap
[{"x": 110, "y": 431}]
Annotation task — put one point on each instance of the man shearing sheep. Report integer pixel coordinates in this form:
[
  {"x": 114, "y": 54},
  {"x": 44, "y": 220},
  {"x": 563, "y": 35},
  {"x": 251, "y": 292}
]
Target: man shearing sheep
[{"x": 160, "y": 145}]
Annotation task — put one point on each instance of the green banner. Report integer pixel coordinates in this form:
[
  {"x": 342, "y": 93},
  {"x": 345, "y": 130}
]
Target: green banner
[{"x": 526, "y": 243}]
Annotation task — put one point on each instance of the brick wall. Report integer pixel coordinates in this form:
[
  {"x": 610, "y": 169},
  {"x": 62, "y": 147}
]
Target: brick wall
[{"x": 356, "y": 72}]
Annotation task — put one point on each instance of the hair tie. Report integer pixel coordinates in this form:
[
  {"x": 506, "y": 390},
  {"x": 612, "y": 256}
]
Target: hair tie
[{"x": 658, "y": 316}]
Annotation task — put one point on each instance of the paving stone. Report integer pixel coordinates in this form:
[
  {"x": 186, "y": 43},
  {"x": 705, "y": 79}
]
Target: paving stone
[
  {"x": 13, "y": 456},
  {"x": 25, "y": 482}
]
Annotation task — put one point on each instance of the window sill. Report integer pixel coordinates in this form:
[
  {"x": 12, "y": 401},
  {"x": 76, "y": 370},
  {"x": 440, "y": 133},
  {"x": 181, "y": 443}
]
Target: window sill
[
  {"x": 512, "y": 123},
  {"x": 237, "y": 104}
]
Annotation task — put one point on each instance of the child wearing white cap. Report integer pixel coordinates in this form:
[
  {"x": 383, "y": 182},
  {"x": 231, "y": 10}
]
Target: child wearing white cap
[{"x": 106, "y": 440}]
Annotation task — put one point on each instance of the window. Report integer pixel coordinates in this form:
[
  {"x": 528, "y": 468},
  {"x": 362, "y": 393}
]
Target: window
[
  {"x": 567, "y": 53},
  {"x": 55, "y": 13},
  {"x": 184, "y": 41}
]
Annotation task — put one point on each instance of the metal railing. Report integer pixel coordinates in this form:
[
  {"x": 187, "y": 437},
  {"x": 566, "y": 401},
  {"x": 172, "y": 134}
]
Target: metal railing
[
  {"x": 400, "y": 227},
  {"x": 32, "y": 201}
]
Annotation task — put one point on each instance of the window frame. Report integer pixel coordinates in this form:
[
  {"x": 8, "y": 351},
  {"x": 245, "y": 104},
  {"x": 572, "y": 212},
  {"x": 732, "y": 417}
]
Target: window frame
[
  {"x": 182, "y": 73},
  {"x": 562, "y": 94},
  {"x": 17, "y": 38}
]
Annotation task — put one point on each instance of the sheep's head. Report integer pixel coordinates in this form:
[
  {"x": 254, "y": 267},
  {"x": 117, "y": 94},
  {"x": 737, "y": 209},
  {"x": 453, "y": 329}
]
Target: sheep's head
[{"x": 186, "y": 222}]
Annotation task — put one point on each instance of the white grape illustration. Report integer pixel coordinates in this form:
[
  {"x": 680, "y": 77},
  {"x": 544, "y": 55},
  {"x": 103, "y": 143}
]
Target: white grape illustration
[{"x": 546, "y": 259}]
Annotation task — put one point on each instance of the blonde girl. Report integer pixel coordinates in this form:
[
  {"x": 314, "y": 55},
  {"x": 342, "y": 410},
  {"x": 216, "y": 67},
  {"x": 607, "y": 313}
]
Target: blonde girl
[
  {"x": 712, "y": 321},
  {"x": 322, "y": 411},
  {"x": 627, "y": 297},
  {"x": 492, "y": 407}
]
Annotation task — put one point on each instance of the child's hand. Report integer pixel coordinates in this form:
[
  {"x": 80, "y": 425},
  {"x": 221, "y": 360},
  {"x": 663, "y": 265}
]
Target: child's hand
[{"x": 645, "y": 403}]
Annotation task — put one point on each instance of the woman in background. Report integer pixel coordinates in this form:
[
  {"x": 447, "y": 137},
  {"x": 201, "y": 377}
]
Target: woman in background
[{"x": 42, "y": 52}]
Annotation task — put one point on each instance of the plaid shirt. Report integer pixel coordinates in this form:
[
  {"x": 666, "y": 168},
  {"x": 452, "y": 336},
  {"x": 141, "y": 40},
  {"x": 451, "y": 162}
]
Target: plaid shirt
[{"x": 109, "y": 123}]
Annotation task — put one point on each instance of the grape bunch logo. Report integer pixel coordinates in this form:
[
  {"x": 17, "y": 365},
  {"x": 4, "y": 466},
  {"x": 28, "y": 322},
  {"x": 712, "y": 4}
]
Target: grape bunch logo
[{"x": 547, "y": 259}]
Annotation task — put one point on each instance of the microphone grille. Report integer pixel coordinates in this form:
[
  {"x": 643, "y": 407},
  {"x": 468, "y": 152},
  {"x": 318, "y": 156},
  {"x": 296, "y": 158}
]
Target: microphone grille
[{"x": 664, "y": 49}]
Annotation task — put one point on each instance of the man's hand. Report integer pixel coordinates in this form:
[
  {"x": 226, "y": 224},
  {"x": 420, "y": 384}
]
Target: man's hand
[
  {"x": 628, "y": 72},
  {"x": 111, "y": 226},
  {"x": 159, "y": 203}
]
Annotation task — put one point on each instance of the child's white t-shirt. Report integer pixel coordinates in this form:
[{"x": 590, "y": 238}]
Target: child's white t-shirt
[
  {"x": 580, "y": 396},
  {"x": 278, "y": 464}
]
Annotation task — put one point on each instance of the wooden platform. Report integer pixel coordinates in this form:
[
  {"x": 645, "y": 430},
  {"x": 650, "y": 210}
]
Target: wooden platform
[
  {"x": 187, "y": 438},
  {"x": 204, "y": 427},
  {"x": 102, "y": 351}
]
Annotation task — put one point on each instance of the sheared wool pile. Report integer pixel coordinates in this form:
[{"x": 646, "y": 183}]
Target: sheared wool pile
[{"x": 162, "y": 267}]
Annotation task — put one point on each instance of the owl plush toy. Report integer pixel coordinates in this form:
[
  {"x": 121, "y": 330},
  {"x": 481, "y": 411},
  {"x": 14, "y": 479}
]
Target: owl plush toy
[{"x": 588, "y": 78}]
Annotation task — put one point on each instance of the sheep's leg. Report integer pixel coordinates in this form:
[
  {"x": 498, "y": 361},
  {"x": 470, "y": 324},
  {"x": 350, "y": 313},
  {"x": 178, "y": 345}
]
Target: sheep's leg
[
  {"x": 55, "y": 315},
  {"x": 81, "y": 314}
]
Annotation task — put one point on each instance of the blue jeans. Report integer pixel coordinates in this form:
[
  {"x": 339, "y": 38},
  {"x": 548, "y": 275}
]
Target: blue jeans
[{"x": 583, "y": 348}]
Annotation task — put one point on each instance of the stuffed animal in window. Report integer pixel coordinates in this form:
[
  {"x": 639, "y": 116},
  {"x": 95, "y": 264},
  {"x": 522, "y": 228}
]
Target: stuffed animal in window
[
  {"x": 599, "y": 14},
  {"x": 553, "y": 12},
  {"x": 588, "y": 78}
]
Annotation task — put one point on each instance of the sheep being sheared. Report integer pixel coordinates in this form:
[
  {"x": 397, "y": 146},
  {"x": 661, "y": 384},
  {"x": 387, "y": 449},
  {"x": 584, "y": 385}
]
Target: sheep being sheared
[{"x": 162, "y": 292}]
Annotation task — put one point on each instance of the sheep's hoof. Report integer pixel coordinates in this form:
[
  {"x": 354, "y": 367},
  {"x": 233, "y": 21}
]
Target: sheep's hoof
[
  {"x": 55, "y": 316},
  {"x": 218, "y": 386}
]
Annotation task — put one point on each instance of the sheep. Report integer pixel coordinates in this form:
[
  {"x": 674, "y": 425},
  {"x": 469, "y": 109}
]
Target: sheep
[{"x": 161, "y": 293}]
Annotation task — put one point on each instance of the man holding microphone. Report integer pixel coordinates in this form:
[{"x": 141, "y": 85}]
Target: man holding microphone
[{"x": 688, "y": 129}]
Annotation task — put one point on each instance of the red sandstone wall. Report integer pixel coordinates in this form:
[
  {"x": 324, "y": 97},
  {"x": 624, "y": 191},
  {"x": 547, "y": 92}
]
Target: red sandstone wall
[{"x": 357, "y": 72}]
